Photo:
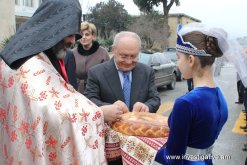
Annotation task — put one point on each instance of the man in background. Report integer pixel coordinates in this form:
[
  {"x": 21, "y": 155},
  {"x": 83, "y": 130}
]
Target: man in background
[{"x": 240, "y": 88}]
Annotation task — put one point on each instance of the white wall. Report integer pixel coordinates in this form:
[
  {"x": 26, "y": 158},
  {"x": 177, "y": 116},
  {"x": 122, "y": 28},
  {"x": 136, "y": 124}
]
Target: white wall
[{"x": 7, "y": 18}]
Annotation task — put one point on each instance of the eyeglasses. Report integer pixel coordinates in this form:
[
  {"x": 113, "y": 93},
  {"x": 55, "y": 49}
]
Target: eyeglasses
[{"x": 126, "y": 57}]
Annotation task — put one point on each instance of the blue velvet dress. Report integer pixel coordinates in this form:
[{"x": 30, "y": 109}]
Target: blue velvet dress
[{"x": 195, "y": 121}]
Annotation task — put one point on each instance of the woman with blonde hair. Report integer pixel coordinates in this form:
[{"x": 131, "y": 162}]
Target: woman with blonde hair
[{"x": 87, "y": 54}]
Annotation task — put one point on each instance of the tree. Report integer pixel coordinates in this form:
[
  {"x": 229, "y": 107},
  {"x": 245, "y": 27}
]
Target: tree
[
  {"x": 108, "y": 17},
  {"x": 151, "y": 31},
  {"x": 5, "y": 41},
  {"x": 146, "y": 6}
]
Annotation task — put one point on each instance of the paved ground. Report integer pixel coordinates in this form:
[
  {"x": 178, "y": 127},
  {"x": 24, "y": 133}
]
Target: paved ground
[{"x": 228, "y": 145}]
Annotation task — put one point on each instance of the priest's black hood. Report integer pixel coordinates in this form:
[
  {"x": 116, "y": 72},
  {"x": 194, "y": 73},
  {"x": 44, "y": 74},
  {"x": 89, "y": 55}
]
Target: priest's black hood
[{"x": 51, "y": 22}]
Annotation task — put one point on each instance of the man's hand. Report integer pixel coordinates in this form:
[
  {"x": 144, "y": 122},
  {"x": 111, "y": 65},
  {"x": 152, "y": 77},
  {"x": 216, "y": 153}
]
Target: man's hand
[
  {"x": 140, "y": 107},
  {"x": 122, "y": 106},
  {"x": 112, "y": 112}
]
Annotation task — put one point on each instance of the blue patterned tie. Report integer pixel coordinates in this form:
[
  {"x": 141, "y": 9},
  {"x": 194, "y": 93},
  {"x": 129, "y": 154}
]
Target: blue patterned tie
[{"x": 126, "y": 88}]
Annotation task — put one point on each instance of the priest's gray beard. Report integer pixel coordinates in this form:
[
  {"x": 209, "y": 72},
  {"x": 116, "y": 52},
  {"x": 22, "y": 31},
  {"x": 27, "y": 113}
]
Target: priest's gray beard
[{"x": 60, "y": 50}]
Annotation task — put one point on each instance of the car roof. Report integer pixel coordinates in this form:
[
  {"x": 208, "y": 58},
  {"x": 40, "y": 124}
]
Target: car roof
[
  {"x": 171, "y": 55},
  {"x": 147, "y": 58}
]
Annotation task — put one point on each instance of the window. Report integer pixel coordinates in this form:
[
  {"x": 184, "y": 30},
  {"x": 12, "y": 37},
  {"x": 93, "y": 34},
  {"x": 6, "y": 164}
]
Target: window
[
  {"x": 17, "y": 2},
  {"x": 28, "y": 3}
]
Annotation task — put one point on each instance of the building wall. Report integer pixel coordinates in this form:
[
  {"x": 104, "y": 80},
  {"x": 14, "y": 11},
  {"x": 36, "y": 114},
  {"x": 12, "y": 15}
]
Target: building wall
[
  {"x": 24, "y": 10},
  {"x": 7, "y": 21},
  {"x": 173, "y": 21},
  {"x": 13, "y": 13}
]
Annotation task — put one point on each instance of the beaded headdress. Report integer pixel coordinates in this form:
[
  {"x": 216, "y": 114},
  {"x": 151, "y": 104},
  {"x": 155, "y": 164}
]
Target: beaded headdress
[{"x": 189, "y": 48}]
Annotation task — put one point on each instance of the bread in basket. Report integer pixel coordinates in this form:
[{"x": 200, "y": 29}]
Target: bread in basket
[{"x": 142, "y": 124}]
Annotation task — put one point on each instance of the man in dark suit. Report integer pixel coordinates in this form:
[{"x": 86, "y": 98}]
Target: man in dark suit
[
  {"x": 123, "y": 81},
  {"x": 106, "y": 81},
  {"x": 70, "y": 66}
]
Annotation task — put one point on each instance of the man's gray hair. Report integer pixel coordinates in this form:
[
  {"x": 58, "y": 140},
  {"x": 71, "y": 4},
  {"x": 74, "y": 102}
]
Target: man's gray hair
[{"x": 124, "y": 34}]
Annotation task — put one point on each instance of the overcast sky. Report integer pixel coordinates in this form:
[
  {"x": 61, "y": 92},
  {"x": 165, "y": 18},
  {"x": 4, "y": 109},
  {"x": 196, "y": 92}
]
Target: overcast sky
[{"x": 227, "y": 14}]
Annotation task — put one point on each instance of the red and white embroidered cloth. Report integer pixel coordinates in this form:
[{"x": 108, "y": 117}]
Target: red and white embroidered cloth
[
  {"x": 134, "y": 150},
  {"x": 43, "y": 120}
]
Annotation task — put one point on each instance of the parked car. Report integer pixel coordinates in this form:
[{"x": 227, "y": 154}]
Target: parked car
[
  {"x": 171, "y": 54},
  {"x": 164, "y": 68},
  {"x": 170, "y": 49}
]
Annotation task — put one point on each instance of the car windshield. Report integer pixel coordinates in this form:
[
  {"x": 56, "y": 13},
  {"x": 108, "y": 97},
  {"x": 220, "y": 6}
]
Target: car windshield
[
  {"x": 171, "y": 55},
  {"x": 144, "y": 58},
  {"x": 155, "y": 59}
]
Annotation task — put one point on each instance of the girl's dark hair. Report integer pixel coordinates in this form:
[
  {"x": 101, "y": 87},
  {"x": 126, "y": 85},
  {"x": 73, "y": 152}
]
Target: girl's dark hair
[{"x": 203, "y": 42}]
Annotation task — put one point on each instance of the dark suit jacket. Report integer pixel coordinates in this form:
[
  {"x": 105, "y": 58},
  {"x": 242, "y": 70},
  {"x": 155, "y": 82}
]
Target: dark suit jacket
[
  {"x": 104, "y": 86},
  {"x": 70, "y": 67}
]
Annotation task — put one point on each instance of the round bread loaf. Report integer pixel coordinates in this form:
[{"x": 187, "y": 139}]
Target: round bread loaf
[{"x": 142, "y": 124}]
